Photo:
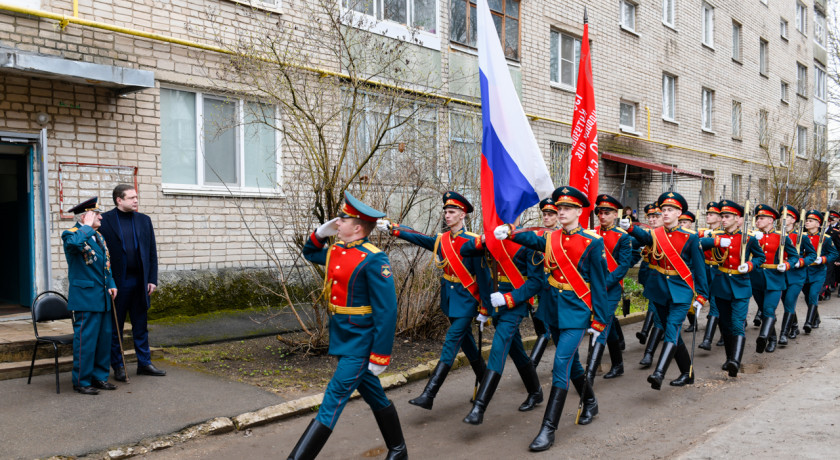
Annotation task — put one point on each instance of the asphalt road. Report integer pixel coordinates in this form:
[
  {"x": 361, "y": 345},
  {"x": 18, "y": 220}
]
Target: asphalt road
[{"x": 784, "y": 403}]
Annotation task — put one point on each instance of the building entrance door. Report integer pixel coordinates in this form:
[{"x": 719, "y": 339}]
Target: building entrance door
[{"x": 17, "y": 231}]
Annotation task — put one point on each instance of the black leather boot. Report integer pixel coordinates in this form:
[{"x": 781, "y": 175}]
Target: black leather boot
[
  {"x": 709, "y": 335},
  {"x": 655, "y": 379},
  {"x": 763, "y": 336},
  {"x": 809, "y": 318},
  {"x": 758, "y": 318},
  {"x": 538, "y": 350},
  {"x": 794, "y": 327},
  {"x": 617, "y": 326},
  {"x": 311, "y": 442},
  {"x": 771, "y": 341},
  {"x": 653, "y": 341},
  {"x": 545, "y": 438},
  {"x": 478, "y": 367},
  {"x": 816, "y": 323},
  {"x": 427, "y": 398},
  {"x": 734, "y": 364},
  {"x": 683, "y": 359},
  {"x": 617, "y": 368},
  {"x": 485, "y": 393},
  {"x": 692, "y": 322},
  {"x": 727, "y": 346},
  {"x": 643, "y": 334},
  {"x": 720, "y": 342},
  {"x": 590, "y": 404},
  {"x": 389, "y": 426},
  {"x": 594, "y": 361},
  {"x": 532, "y": 384},
  {"x": 783, "y": 332}
]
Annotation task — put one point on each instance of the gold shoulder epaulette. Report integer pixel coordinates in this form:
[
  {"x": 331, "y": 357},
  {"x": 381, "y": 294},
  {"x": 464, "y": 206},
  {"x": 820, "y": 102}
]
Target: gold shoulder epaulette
[
  {"x": 592, "y": 233},
  {"x": 72, "y": 229},
  {"x": 688, "y": 230},
  {"x": 370, "y": 247},
  {"x": 471, "y": 234},
  {"x": 620, "y": 230}
]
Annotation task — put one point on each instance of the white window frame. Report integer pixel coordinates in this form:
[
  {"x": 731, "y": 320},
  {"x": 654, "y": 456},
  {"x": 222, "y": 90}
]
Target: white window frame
[
  {"x": 819, "y": 82},
  {"x": 669, "y": 91},
  {"x": 669, "y": 8},
  {"x": 707, "y": 109},
  {"x": 783, "y": 28},
  {"x": 784, "y": 89},
  {"x": 784, "y": 154},
  {"x": 708, "y": 25},
  {"x": 801, "y": 80},
  {"x": 736, "y": 119},
  {"x": 394, "y": 30},
  {"x": 634, "y": 112},
  {"x": 820, "y": 32},
  {"x": 802, "y": 18},
  {"x": 763, "y": 128},
  {"x": 200, "y": 187},
  {"x": 576, "y": 43},
  {"x": 801, "y": 141},
  {"x": 626, "y": 6},
  {"x": 737, "y": 48},
  {"x": 763, "y": 57}
]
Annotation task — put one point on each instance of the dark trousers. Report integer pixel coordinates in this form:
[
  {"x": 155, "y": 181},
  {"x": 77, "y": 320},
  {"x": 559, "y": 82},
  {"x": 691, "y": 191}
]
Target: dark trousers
[{"x": 131, "y": 300}]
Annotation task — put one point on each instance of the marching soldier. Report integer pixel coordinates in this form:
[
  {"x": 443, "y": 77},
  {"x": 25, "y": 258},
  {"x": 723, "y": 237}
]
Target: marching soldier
[
  {"x": 713, "y": 222},
  {"x": 768, "y": 281},
  {"x": 795, "y": 276},
  {"x": 549, "y": 221},
  {"x": 577, "y": 272},
  {"x": 459, "y": 293},
  {"x": 652, "y": 324},
  {"x": 677, "y": 281},
  {"x": 832, "y": 231},
  {"x": 362, "y": 299},
  {"x": 686, "y": 220},
  {"x": 816, "y": 273},
  {"x": 509, "y": 305},
  {"x": 91, "y": 284},
  {"x": 731, "y": 286}
]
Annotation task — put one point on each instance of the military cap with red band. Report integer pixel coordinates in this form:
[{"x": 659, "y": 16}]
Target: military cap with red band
[
  {"x": 548, "y": 205},
  {"x": 731, "y": 207},
  {"x": 607, "y": 202},
  {"x": 834, "y": 214},
  {"x": 569, "y": 196},
  {"x": 687, "y": 215},
  {"x": 672, "y": 199},
  {"x": 352, "y": 207},
  {"x": 456, "y": 200},
  {"x": 713, "y": 207},
  {"x": 652, "y": 208},
  {"x": 814, "y": 214},
  {"x": 765, "y": 210}
]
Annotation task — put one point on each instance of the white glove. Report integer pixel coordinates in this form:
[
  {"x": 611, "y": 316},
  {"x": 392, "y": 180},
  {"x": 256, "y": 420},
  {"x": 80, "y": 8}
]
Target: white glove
[
  {"x": 697, "y": 307},
  {"x": 594, "y": 337},
  {"x": 383, "y": 225},
  {"x": 758, "y": 234},
  {"x": 497, "y": 299},
  {"x": 624, "y": 223},
  {"x": 707, "y": 233},
  {"x": 327, "y": 229},
  {"x": 797, "y": 264},
  {"x": 818, "y": 261},
  {"x": 781, "y": 268},
  {"x": 725, "y": 242},
  {"x": 743, "y": 268},
  {"x": 501, "y": 232},
  {"x": 376, "y": 369},
  {"x": 482, "y": 320}
]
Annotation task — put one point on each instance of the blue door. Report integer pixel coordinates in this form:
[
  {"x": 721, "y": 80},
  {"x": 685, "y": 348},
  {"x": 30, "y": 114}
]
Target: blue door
[{"x": 17, "y": 231}]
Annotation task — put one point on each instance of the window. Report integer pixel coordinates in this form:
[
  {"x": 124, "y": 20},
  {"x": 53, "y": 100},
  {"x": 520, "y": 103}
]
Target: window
[
  {"x": 784, "y": 91},
  {"x": 669, "y": 12},
  {"x": 707, "y": 99},
  {"x": 465, "y": 150},
  {"x": 736, "y": 187},
  {"x": 819, "y": 28},
  {"x": 820, "y": 141},
  {"x": 627, "y": 117},
  {"x": 801, "y": 80},
  {"x": 560, "y": 153},
  {"x": 707, "y": 187},
  {"x": 763, "y": 129},
  {"x": 565, "y": 58},
  {"x": 801, "y": 17},
  {"x": 783, "y": 154},
  {"x": 215, "y": 143},
  {"x": 763, "y": 56},
  {"x": 395, "y": 18},
  {"x": 783, "y": 28},
  {"x": 628, "y": 15},
  {"x": 819, "y": 82},
  {"x": 669, "y": 95},
  {"x": 763, "y": 187},
  {"x": 463, "y": 23},
  {"x": 708, "y": 25},
  {"x": 801, "y": 141},
  {"x": 736, "y": 119},
  {"x": 736, "y": 41}
]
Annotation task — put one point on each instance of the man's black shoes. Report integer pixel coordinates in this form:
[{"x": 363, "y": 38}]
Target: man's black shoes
[
  {"x": 150, "y": 370},
  {"x": 86, "y": 390},
  {"x": 104, "y": 385},
  {"x": 119, "y": 374}
]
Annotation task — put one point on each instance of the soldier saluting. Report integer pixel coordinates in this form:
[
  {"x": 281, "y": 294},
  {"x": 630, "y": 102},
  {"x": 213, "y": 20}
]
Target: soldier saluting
[{"x": 363, "y": 317}]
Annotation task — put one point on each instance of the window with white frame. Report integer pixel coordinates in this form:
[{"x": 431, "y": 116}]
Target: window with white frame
[
  {"x": 783, "y": 154},
  {"x": 820, "y": 141},
  {"x": 707, "y": 107},
  {"x": 736, "y": 119},
  {"x": 736, "y": 41},
  {"x": 801, "y": 141},
  {"x": 565, "y": 58},
  {"x": 784, "y": 91},
  {"x": 801, "y": 17},
  {"x": 559, "y": 158},
  {"x": 465, "y": 150},
  {"x": 464, "y": 23},
  {"x": 669, "y": 96},
  {"x": 736, "y": 187},
  {"x": 398, "y": 18},
  {"x": 763, "y": 56},
  {"x": 627, "y": 116},
  {"x": 628, "y": 15},
  {"x": 783, "y": 28},
  {"x": 213, "y": 143},
  {"x": 819, "y": 82},
  {"x": 669, "y": 13},
  {"x": 801, "y": 80},
  {"x": 708, "y": 18},
  {"x": 819, "y": 28},
  {"x": 763, "y": 128}
]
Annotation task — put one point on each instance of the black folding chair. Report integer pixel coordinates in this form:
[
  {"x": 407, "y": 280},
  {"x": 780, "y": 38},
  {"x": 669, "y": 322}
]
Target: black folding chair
[{"x": 49, "y": 306}]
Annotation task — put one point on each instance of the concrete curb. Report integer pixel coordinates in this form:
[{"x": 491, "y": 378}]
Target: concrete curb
[{"x": 288, "y": 409}]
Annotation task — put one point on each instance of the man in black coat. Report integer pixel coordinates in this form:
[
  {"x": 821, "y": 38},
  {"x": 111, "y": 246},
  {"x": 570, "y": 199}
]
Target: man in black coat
[{"x": 131, "y": 238}]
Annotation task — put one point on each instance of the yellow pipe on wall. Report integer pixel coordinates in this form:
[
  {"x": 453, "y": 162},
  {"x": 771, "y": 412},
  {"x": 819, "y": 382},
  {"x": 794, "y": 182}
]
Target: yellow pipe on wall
[{"x": 64, "y": 20}]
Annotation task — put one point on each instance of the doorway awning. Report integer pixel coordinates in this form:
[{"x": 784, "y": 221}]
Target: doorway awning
[
  {"x": 121, "y": 79},
  {"x": 653, "y": 166}
]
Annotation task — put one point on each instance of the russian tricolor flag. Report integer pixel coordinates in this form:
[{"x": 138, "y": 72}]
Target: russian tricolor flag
[{"x": 514, "y": 176}]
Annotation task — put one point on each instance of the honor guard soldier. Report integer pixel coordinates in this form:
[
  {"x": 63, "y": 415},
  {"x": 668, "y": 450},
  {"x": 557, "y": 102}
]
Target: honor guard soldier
[
  {"x": 795, "y": 276},
  {"x": 686, "y": 220},
  {"x": 549, "y": 220},
  {"x": 577, "y": 271},
  {"x": 713, "y": 225},
  {"x": 833, "y": 231},
  {"x": 92, "y": 290},
  {"x": 618, "y": 247},
  {"x": 676, "y": 282},
  {"x": 362, "y": 300},
  {"x": 768, "y": 281},
  {"x": 517, "y": 285},
  {"x": 459, "y": 293},
  {"x": 731, "y": 287},
  {"x": 654, "y": 218},
  {"x": 815, "y": 281}
]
